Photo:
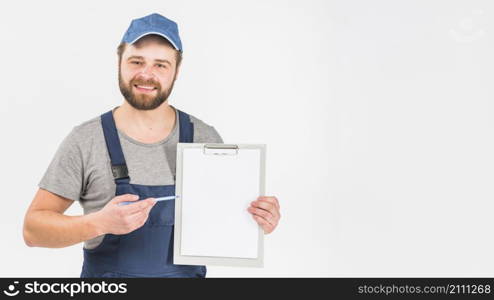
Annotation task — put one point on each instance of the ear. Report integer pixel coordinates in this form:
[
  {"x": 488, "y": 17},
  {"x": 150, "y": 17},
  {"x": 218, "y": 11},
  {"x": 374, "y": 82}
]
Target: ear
[{"x": 177, "y": 70}]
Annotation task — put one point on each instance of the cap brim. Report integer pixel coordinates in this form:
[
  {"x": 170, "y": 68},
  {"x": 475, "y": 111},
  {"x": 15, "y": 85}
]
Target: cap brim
[{"x": 157, "y": 33}]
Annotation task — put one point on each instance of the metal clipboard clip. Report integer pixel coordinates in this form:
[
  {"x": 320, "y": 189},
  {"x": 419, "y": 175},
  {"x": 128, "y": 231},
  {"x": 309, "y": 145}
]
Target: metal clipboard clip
[{"x": 220, "y": 149}]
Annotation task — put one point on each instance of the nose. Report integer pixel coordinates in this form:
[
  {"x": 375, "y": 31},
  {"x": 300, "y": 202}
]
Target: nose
[
  {"x": 145, "y": 74},
  {"x": 147, "y": 71}
]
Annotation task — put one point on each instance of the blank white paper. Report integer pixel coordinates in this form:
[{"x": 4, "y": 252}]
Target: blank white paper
[{"x": 216, "y": 192}]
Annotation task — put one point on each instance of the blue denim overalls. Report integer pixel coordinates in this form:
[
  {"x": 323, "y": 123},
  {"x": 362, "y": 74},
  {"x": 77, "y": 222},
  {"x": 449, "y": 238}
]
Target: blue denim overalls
[{"x": 148, "y": 250}]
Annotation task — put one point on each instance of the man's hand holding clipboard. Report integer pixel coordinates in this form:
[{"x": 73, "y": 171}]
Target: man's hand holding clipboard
[{"x": 266, "y": 211}]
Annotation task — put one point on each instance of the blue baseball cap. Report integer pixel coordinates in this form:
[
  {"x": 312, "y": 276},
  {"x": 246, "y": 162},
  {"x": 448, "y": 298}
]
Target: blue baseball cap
[{"x": 153, "y": 24}]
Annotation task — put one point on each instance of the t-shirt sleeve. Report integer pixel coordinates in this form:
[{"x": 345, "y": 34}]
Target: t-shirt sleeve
[
  {"x": 215, "y": 136},
  {"x": 207, "y": 134},
  {"x": 65, "y": 173}
]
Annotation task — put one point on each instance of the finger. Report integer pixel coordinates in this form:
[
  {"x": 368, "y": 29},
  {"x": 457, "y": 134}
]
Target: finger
[
  {"x": 267, "y": 206},
  {"x": 139, "y": 206},
  {"x": 145, "y": 212},
  {"x": 270, "y": 199},
  {"x": 262, "y": 213},
  {"x": 266, "y": 226},
  {"x": 142, "y": 214},
  {"x": 137, "y": 220},
  {"x": 125, "y": 197}
]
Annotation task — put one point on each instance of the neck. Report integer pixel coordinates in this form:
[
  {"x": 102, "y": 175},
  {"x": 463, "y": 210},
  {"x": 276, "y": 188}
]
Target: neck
[{"x": 145, "y": 124}]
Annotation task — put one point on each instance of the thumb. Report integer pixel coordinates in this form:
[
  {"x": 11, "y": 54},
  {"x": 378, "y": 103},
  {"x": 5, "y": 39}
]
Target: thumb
[{"x": 123, "y": 198}]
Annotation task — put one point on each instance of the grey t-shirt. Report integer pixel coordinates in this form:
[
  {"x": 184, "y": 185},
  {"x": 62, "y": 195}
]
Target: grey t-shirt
[{"x": 80, "y": 169}]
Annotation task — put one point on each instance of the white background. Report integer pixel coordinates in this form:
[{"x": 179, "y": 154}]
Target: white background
[{"x": 377, "y": 117}]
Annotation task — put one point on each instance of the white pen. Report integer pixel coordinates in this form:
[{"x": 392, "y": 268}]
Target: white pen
[{"x": 155, "y": 199}]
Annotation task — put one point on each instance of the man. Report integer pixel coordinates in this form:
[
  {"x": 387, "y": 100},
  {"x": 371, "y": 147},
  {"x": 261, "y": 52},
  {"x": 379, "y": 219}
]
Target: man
[{"x": 124, "y": 155}]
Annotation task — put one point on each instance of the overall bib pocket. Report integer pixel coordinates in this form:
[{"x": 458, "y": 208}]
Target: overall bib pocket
[{"x": 162, "y": 214}]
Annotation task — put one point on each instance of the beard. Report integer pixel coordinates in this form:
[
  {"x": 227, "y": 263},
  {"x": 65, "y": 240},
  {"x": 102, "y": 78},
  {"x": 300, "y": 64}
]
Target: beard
[{"x": 141, "y": 101}]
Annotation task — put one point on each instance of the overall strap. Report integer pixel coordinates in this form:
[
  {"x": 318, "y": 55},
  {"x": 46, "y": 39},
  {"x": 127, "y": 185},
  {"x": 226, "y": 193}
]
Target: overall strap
[
  {"x": 186, "y": 128},
  {"x": 118, "y": 165}
]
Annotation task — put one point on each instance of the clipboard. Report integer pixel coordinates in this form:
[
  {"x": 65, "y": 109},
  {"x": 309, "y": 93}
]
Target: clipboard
[{"x": 215, "y": 184}]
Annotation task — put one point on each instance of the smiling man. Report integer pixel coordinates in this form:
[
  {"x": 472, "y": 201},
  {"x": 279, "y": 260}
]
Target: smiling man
[{"x": 126, "y": 154}]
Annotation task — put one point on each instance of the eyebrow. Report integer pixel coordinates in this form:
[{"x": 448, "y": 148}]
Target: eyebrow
[{"x": 142, "y": 58}]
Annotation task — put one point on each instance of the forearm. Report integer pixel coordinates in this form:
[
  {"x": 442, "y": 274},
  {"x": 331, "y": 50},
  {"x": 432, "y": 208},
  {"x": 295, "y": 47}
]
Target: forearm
[{"x": 44, "y": 228}]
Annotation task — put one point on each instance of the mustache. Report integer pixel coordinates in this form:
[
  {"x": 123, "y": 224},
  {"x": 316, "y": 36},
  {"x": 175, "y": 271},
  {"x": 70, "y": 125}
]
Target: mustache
[{"x": 149, "y": 82}]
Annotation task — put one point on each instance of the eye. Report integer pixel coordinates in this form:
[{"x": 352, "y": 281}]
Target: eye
[
  {"x": 161, "y": 65},
  {"x": 135, "y": 62}
]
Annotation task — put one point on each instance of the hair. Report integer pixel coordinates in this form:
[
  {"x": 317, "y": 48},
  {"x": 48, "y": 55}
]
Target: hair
[{"x": 158, "y": 38}]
